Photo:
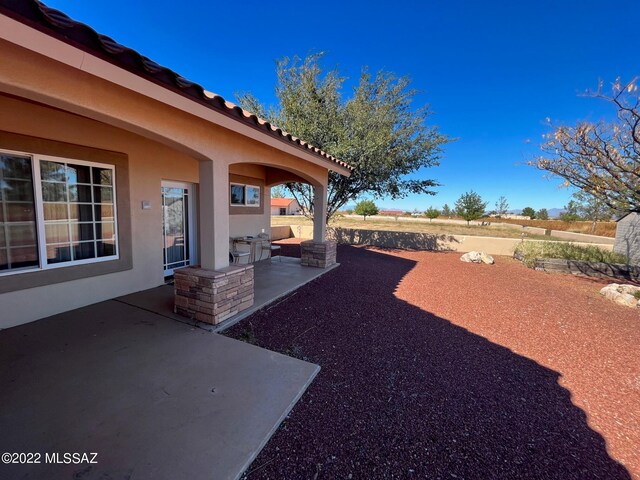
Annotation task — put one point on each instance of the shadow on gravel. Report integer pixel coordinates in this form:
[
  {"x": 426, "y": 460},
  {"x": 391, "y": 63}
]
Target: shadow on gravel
[{"x": 405, "y": 394}]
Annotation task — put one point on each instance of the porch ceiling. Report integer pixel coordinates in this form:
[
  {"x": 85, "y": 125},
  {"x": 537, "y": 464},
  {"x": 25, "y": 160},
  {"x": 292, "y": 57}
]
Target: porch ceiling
[{"x": 154, "y": 398}]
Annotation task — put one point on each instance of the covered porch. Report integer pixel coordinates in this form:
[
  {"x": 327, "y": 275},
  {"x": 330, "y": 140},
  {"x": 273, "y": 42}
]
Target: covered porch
[{"x": 273, "y": 280}]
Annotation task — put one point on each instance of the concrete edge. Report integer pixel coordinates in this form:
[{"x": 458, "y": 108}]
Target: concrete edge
[
  {"x": 284, "y": 415},
  {"x": 242, "y": 315}
]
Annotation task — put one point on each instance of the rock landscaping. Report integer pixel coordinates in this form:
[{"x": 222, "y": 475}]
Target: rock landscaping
[
  {"x": 625, "y": 295},
  {"x": 477, "y": 257}
]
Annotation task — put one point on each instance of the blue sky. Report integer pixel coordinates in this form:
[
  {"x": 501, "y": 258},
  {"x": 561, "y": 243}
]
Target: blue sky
[{"x": 491, "y": 71}]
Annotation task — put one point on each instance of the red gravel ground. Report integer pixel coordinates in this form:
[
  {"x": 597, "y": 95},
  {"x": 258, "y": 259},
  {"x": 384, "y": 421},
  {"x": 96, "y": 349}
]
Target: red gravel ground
[{"x": 435, "y": 368}]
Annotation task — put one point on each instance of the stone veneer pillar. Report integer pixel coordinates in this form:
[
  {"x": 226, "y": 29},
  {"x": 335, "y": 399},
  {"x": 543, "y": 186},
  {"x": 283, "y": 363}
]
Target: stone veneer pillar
[
  {"x": 212, "y": 296},
  {"x": 318, "y": 254}
]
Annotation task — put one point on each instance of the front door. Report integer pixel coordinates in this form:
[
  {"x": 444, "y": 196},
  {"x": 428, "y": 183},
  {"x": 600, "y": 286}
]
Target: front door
[{"x": 177, "y": 225}]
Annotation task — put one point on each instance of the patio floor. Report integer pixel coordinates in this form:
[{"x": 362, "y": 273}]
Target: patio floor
[
  {"x": 154, "y": 398},
  {"x": 273, "y": 279}
]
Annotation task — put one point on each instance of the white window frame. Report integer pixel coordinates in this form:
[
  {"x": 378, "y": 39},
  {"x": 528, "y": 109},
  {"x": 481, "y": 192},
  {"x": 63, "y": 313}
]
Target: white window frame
[
  {"x": 39, "y": 211},
  {"x": 245, "y": 186}
]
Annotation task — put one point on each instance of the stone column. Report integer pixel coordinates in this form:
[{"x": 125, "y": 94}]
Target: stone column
[
  {"x": 214, "y": 214},
  {"x": 319, "y": 252},
  {"x": 214, "y": 290}
]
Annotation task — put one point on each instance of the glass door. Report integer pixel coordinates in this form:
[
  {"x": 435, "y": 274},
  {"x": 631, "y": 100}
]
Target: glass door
[{"x": 177, "y": 225}]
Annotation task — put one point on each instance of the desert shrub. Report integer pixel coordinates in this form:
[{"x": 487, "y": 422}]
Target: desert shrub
[
  {"x": 637, "y": 294},
  {"x": 529, "y": 251}
]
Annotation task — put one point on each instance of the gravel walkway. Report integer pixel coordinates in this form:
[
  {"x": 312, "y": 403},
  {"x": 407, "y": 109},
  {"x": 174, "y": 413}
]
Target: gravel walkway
[{"x": 433, "y": 368}]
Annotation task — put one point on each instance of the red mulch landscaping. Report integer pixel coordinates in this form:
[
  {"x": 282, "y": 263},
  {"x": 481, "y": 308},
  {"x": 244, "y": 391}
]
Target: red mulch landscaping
[{"x": 435, "y": 368}]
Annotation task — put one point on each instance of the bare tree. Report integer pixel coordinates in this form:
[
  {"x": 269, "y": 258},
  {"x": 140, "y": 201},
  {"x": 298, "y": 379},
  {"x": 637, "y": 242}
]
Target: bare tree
[{"x": 602, "y": 159}]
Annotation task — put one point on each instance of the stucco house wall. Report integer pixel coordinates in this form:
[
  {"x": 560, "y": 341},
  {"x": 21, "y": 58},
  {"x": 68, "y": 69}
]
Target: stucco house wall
[{"x": 628, "y": 237}]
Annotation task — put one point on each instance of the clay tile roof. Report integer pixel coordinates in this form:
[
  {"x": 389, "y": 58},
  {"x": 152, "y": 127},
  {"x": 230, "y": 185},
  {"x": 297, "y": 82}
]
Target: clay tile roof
[
  {"x": 281, "y": 202},
  {"x": 58, "y": 25}
]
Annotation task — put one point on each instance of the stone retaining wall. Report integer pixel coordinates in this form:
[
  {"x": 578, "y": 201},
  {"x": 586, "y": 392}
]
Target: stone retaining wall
[
  {"x": 212, "y": 296},
  {"x": 589, "y": 269}
]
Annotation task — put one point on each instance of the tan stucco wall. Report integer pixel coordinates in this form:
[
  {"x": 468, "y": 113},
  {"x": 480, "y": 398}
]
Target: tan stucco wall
[{"x": 149, "y": 164}]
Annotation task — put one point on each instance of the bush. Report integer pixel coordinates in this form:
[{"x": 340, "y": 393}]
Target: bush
[{"x": 529, "y": 251}]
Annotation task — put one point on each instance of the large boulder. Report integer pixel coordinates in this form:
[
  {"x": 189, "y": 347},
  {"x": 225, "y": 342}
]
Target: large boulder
[
  {"x": 477, "y": 257},
  {"x": 622, "y": 294}
]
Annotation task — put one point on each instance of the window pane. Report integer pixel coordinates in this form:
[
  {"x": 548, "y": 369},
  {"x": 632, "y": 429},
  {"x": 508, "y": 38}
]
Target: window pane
[
  {"x": 19, "y": 212},
  {"x": 18, "y": 239},
  {"x": 253, "y": 195},
  {"x": 106, "y": 249},
  {"x": 82, "y": 251},
  {"x": 58, "y": 253},
  {"x": 81, "y": 213},
  {"x": 22, "y": 257},
  {"x": 81, "y": 231},
  {"x": 86, "y": 194},
  {"x": 237, "y": 194},
  {"x": 57, "y": 232},
  {"x": 104, "y": 212},
  {"x": 56, "y": 211},
  {"x": 53, "y": 171},
  {"x": 80, "y": 193},
  {"x": 17, "y": 190},
  {"x": 103, "y": 194},
  {"x": 15, "y": 167},
  {"x": 102, "y": 176},
  {"x": 54, "y": 192},
  {"x": 105, "y": 231},
  {"x": 78, "y": 174},
  {"x": 22, "y": 234}
]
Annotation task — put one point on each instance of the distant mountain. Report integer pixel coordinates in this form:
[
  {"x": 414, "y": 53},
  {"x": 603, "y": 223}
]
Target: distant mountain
[{"x": 555, "y": 212}]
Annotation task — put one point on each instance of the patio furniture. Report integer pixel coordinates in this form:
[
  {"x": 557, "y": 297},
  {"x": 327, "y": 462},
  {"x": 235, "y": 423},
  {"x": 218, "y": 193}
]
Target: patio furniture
[
  {"x": 268, "y": 246},
  {"x": 253, "y": 243},
  {"x": 235, "y": 254}
]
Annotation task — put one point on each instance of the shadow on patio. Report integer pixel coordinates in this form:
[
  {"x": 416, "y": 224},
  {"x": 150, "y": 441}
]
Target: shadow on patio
[{"x": 404, "y": 393}]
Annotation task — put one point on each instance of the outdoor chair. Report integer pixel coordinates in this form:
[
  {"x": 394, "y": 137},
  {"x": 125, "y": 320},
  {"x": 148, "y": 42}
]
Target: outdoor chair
[
  {"x": 234, "y": 253},
  {"x": 267, "y": 246}
]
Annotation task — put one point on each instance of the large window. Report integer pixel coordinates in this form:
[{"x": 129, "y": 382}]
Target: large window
[
  {"x": 55, "y": 212},
  {"x": 244, "y": 195}
]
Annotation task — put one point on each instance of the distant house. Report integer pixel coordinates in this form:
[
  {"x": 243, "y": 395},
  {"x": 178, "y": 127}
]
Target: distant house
[
  {"x": 285, "y": 206},
  {"x": 628, "y": 237}
]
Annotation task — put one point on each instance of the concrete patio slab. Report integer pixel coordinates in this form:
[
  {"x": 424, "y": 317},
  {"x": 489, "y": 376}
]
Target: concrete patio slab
[
  {"x": 154, "y": 398},
  {"x": 273, "y": 279}
]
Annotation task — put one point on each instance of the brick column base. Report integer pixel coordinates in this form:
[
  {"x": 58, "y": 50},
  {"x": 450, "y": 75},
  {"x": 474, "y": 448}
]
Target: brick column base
[
  {"x": 318, "y": 254},
  {"x": 212, "y": 296}
]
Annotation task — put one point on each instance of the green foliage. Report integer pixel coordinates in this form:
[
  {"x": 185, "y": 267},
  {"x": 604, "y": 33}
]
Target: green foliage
[
  {"x": 542, "y": 214},
  {"x": 366, "y": 208},
  {"x": 567, "y": 251},
  {"x": 637, "y": 294},
  {"x": 570, "y": 213},
  {"x": 432, "y": 213},
  {"x": 470, "y": 206},
  {"x": 529, "y": 212},
  {"x": 446, "y": 211},
  {"x": 378, "y": 129}
]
